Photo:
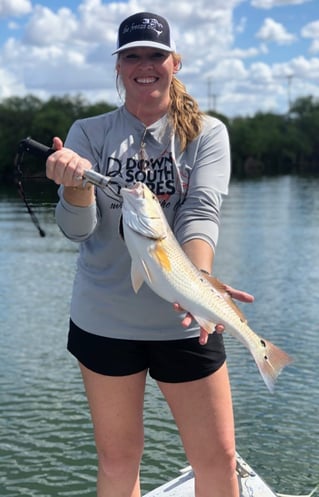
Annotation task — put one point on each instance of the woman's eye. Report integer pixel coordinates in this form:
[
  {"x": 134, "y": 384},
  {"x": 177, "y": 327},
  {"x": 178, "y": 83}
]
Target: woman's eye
[
  {"x": 131, "y": 56},
  {"x": 159, "y": 56},
  {"x": 155, "y": 56}
]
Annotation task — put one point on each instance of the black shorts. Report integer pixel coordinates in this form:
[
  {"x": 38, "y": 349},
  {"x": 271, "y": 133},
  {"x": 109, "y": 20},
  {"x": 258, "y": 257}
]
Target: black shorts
[{"x": 170, "y": 361}]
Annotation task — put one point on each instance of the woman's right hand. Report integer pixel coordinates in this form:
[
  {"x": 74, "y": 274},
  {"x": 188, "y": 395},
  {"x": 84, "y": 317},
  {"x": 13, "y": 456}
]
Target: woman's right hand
[{"x": 66, "y": 167}]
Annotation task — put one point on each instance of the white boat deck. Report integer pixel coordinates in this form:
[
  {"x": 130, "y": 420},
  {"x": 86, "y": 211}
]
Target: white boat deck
[{"x": 250, "y": 484}]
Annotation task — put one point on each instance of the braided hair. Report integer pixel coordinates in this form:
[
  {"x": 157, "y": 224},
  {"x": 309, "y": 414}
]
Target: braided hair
[{"x": 184, "y": 112}]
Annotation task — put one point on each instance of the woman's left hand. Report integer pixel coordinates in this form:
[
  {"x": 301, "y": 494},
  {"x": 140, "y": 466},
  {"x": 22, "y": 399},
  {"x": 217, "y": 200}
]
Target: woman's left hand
[{"x": 233, "y": 293}]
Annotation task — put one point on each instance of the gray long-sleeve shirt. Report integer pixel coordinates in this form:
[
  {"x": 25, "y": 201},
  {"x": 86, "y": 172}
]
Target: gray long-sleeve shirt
[{"x": 190, "y": 186}]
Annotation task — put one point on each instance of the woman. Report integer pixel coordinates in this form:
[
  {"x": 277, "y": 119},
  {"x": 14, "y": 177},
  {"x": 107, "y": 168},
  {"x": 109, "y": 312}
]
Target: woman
[{"x": 158, "y": 136}]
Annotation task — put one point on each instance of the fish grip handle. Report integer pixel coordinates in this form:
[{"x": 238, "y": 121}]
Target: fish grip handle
[{"x": 34, "y": 147}]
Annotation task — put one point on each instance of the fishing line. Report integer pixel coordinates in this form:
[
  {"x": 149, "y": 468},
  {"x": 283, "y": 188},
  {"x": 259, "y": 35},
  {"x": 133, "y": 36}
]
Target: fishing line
[{"x": 35, "y": 148}]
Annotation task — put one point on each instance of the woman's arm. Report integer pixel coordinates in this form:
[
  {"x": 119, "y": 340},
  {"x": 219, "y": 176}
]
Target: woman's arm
[{"x": 76, "y": 212}]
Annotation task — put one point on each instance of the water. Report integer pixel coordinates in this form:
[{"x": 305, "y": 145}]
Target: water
[{"x": 269, "y": 245}]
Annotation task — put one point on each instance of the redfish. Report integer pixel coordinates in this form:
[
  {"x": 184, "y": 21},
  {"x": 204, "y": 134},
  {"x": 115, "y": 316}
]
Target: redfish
[{"x": 159, "y": 260}]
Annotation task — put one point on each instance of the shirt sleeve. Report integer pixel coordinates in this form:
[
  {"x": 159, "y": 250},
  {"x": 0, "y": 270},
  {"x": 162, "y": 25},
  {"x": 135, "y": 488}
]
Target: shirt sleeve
[
  {"x": 76, "y": 223},
  {"x": 199, "y": 214}
]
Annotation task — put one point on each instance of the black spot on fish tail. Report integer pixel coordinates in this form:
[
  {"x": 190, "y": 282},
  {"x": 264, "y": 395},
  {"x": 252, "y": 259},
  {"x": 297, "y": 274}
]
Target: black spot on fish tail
[{"x": 263, "y": 343}]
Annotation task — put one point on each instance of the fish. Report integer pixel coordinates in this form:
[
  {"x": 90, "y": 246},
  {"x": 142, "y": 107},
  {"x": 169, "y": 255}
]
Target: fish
[{"x": 158, "y": 259}]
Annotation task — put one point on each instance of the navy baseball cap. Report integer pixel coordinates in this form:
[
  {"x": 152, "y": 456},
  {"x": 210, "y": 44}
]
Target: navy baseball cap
[{"x": 145, "y": 29}]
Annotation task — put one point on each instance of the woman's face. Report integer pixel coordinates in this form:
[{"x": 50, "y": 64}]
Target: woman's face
[{"x": 146, "y": 74}]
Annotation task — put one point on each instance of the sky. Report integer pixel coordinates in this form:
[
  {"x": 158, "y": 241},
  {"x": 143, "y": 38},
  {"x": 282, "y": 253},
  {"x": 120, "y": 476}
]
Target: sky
[{"x": 239, "y": 57}]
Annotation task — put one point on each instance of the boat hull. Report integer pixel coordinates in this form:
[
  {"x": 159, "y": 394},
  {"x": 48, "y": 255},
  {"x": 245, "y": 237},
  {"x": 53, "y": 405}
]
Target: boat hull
[{"x": 250, "y": 484}]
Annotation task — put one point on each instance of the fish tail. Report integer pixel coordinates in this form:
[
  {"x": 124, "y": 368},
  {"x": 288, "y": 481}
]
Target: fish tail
[{"x": 270, "y": 360}]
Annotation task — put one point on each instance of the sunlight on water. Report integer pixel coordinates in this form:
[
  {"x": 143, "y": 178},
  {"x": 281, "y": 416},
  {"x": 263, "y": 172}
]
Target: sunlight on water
[{"x": 269, "y": 245}]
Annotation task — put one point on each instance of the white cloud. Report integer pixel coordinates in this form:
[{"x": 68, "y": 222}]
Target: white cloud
[
  {"x": 300, "y": 76},
  {"x": 245, "y": 99},
  {"x": 272, "y": 31},
  {"x": 45, "y": 27},
  {"x": 305, "y": 68},
  {"x": 229, "y": 70},
  {"x": 97, "y": 22},
  {"x": 243, "y": 53},
  {"x": 10, "y": 84},
  {"x": 14, "y": 7},
  {"x": 241, "y": 26},
  {"x": 269, "y": 4},
  {"x": 261, "y": 72},
  {"x": 263, "y": 48},
  {"x": 13, "y": 25},
  {"x": 311, "y": 30},
  {"x": 314, "y": 47}
]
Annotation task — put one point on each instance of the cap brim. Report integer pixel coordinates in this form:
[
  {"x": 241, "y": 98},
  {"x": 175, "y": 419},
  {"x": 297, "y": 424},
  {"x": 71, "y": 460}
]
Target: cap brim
[{"x": 151, "y": 44}]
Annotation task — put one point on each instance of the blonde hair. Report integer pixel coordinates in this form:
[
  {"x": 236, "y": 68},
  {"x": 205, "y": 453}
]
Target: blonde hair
[{"x": 184, "y": 113}]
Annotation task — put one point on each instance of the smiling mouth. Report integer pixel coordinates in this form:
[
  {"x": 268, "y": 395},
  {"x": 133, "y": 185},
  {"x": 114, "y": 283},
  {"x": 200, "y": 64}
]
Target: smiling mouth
[{"x": 146, "y": 81}]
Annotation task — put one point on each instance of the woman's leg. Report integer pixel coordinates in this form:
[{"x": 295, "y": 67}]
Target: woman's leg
[
  {"x": 116, "y": 405},
  {"x": 203, "y": 413}
]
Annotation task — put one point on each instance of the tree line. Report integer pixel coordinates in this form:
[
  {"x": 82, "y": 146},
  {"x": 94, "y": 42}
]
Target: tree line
[
  {"x": 275, "y": 144},
  {"x": 263, "y": 144}
]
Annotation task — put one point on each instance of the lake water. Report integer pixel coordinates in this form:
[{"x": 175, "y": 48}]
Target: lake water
[{"x": 269, "y": 246}]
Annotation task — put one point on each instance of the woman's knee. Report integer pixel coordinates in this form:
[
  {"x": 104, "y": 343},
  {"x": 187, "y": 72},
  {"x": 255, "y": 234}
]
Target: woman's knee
[
  {"x": 116, "y": 463},
  {"x": 229, "y": 461},
  {"x": 219, "y": 462}
]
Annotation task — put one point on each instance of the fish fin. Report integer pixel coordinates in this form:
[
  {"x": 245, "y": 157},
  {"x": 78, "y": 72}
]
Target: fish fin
[
  {"x": 206, "y": 325},
  {"x": 137, "y": 278},
  {"x": 270, "y": 360},
  {"x": 160, "y": 254},
  {"x": 147, "y": 271},
  {"x": 222, "y": 289}
]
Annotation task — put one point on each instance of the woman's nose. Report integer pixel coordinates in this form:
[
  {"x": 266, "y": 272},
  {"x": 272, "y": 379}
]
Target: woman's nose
[{"x": 146, "y": 61}]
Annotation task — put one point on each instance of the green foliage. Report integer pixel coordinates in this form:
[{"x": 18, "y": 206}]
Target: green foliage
[
  {"x": 266, "y": 143},
  {"x": 272, "y": 144},
  {"x": 29, "y": 116}
]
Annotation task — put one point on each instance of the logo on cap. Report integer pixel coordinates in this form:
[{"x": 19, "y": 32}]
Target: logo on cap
[{"x": 145, "y": 23}]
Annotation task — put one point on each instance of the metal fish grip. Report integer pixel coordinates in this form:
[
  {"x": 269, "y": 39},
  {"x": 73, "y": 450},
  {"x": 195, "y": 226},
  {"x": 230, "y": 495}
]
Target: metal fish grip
[{"x": 33, "y": 147}]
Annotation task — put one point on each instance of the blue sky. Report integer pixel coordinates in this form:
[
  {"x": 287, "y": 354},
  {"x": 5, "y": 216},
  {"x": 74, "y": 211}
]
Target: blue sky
[{"x": 239, "y": 56}]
